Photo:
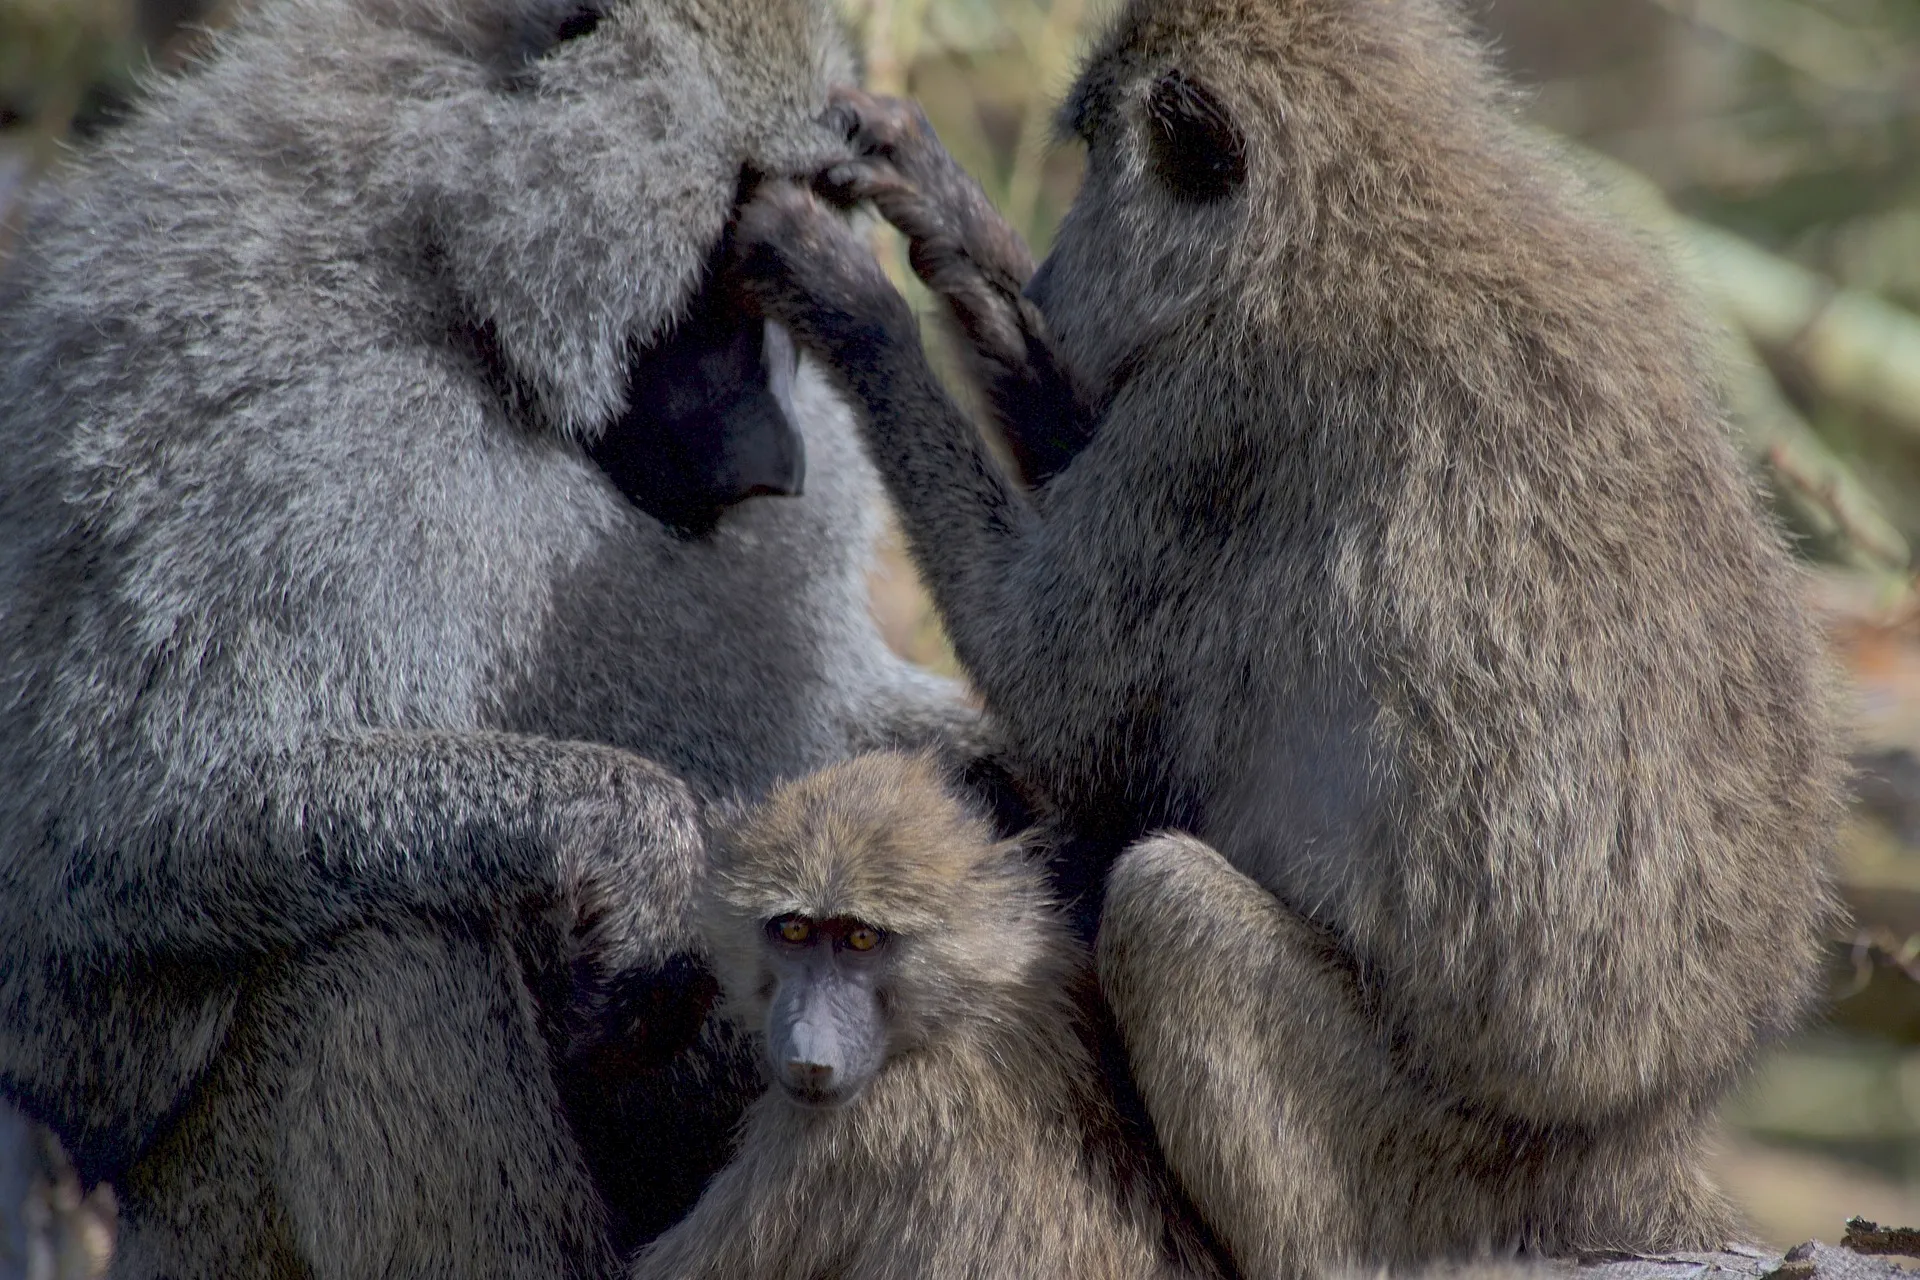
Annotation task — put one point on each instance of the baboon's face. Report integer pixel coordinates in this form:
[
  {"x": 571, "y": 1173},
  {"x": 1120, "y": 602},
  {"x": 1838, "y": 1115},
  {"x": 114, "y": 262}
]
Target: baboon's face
[
  {"x": 710, "y": 418},
  {"x": 862, "y": 914},
  {"x": 572, "y": 166},
  {"x": 827, "y": 1012},
  {"x": 1163, "y": 199},
  {"x": 565, "y": 171}
]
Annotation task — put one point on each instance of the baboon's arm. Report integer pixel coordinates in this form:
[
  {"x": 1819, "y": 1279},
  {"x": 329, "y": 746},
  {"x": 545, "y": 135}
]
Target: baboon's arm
[
  {"x": 737, "y": 1228},
  {"x": 963, "y": 515},
  {"x": 975, "y": 262},
  {"x": 280, "y": 850},
  {"x": 1242, "y": 1032},
  {"x": 911, "y": 709}
]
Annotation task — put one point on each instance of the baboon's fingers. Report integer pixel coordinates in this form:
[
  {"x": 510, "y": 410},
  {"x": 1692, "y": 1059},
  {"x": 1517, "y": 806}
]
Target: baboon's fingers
[
  {"x": 936, "y": 243},
  {"x": 986, "y": 313},
  {"x": 782, "y": 224},
  {"x": 860, "y": 181},
  {"x": 890, "y": 128},
  {"x": 921, "y": 222},
  {"x": 798, "y": 262},
  {"x": 842, "y": 117}
]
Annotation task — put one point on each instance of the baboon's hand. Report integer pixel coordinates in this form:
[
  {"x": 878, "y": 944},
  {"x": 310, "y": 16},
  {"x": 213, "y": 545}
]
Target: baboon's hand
[
  {"x": 630, "y": 856},
  {"x": 801, "y": 264},
  {"x": 891, "y": 129},
  {"x": 960, "y": 246},
  {"x": 957, "y": 239},
  {"x": 898, "y": 166}
]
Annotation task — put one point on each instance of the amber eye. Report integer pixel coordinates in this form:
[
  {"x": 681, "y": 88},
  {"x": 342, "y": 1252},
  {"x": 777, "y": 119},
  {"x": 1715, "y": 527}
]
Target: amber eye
[
  {"x": 863, "y": 937},
  {"x": 791, "y": 928}
]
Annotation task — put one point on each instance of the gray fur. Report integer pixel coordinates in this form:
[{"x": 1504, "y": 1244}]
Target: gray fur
[
  {"x": 1408, "y": 562},
  {"x": 327, "y": 668}
]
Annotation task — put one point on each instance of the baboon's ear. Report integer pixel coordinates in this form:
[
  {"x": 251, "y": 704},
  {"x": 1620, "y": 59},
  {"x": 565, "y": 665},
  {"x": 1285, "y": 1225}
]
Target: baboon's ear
[{"x": 1193, "y": 144}]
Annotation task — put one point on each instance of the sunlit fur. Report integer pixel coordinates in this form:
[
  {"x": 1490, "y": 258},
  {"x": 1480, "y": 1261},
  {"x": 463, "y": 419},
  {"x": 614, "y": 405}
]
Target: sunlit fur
[
  {"x": 987, "y": 1145},
  {"x": 1412, "y": 567}
]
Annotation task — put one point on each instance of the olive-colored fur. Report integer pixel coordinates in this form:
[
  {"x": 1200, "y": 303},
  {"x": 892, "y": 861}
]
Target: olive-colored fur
[
  {"x": 988, "y": 1144},
  {"x": 1405, "y": 559}
]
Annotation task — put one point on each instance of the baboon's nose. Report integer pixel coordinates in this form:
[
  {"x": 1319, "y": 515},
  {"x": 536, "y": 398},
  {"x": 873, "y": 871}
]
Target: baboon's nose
[{"x": 809, "y": 1075}]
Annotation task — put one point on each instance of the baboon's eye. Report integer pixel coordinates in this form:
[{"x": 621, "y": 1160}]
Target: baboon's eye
[
  {"x": 1195, "y": 147},
  {"x": 794, "y": 929},
  {"x": 864, "y": 937}
]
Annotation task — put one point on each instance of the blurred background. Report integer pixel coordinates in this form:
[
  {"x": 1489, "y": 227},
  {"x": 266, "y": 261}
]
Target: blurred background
[{"x": 1772, "y": 145}]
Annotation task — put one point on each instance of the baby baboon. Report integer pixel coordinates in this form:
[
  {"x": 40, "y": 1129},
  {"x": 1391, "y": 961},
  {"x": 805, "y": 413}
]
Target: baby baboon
[
  {"x": 1406, "y": 561},
  {"x": 333, "y": 654},
  {"x": 926, "y": 1021}
]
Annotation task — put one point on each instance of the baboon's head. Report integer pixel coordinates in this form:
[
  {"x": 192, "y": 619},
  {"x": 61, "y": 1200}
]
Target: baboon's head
[
  {"x": 564, "y": 169},
  {"x": 1238, "y": 153},
  {"x": 863, "y": 912}
]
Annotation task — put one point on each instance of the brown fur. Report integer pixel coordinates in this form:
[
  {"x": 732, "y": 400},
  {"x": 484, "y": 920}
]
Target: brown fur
[
  {"x": 1407, "y": 563},
  {"x": 987, "y": 1145}
]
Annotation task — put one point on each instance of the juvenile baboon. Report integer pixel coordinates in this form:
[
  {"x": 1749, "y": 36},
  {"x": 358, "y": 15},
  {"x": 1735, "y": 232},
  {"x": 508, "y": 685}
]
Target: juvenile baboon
[
  {"x": 928, "y": 1027},
  {"x": 351, "y": 717},
  {"x": 1406, "y": 561}
]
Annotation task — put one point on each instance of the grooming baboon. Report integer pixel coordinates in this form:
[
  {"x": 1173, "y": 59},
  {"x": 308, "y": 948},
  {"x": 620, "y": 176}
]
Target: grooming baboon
[
  {"x": 1404, "y": 559},
  {"x": 329, "y": 657},
  {"x": 928, "y": 1025}
]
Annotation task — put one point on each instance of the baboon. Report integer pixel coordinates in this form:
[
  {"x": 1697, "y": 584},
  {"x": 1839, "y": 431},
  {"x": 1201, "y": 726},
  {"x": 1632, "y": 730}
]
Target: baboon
[
  {"x": 353, "y": 722},
  {"x": 1402, "y": 556},
  {"x": 927, "y": 1023}
]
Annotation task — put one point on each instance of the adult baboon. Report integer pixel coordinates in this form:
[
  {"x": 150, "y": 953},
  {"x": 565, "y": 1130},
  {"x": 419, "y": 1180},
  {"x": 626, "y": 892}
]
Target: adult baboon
[
  {"x": 1405, "y": 559},
  {"x": 930, "y": 1028},
  {"x": 328, "y": 653}
]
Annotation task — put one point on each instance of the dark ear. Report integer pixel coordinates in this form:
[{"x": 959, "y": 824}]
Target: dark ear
[{"x": 1193, "y": 145}]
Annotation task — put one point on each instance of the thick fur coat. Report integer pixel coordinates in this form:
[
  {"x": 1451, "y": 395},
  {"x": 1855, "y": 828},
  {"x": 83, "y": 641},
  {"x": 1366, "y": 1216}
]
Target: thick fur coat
[{"x": 322, "y": 642}]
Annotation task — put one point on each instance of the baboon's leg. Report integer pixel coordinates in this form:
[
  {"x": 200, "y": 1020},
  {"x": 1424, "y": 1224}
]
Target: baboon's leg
[
  {"x": 1232, "y": 1024},
  {"x": 385, "y": 1107},
  {"x": 1306, "y": 1145}
]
